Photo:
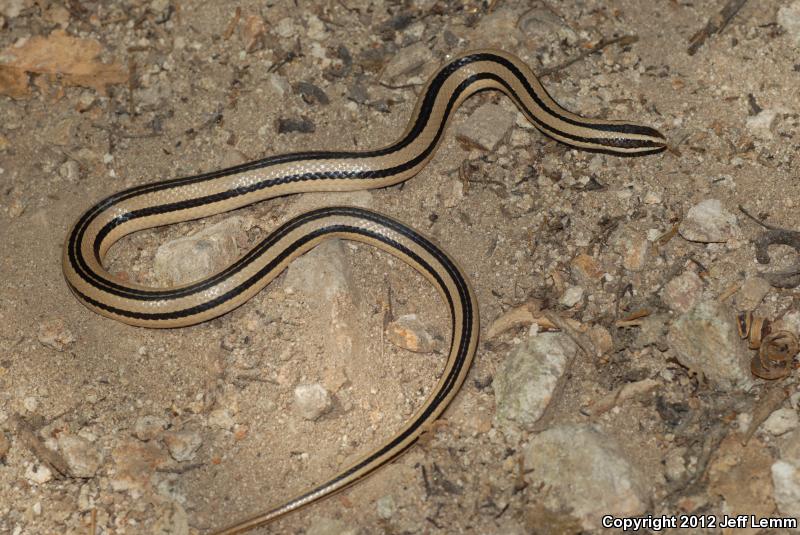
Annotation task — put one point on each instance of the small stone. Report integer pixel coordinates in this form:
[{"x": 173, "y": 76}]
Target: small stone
[
  {"x": 633, "y": 246},
  {"x": 312, "y": 401},
  {"x": 487, "y": 126},
  {"x": 302, "y": 125},
  {"x": 70, "y": 170},
  {"x": 762, "y": 125},
  {"x": 542, "y": 25},
  {"x": 285, "y": 28},
  {"x": 386, "y": 507},
  {"x": 789, "y": 19},
  {"x": 221, "y": 418},
  {"x": 709, "y": 222},
  {"x": 752, "y": 292},
  {"x": 149, "y": 427},
  {"x": 408, "y": 332},
  {"x": 675, "y": 464},
  {"x": 525, "y": 383},
  {"x": 36, "y": 508},
  {"x": 781, "y": 421},
  {"x": 55, "y": 335},
  {"x": 183, "y": 445},
  {"x": 652, "y": 197},
  {"x": 61, "y": 133},
  {"x": 30, "y": 403},
  {"x": 83, "y": 458},
  {"x": 407, "y": 62},
  {"x": 585, "y": 269},
  {"x": 572, "y": 296},
  {"x": 682, "y": 292},
  {"x": 38, "y": 473},
  {"x": 706, "y": 341},
  {"x": 194, "y": 258},
  {"x": 253, "y": 31},
  {"x": 585, "y": 472},
  {"x": 135, "y": 464}
]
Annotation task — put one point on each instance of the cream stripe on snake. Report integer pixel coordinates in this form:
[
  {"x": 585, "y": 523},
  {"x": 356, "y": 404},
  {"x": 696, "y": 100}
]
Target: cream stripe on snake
[{"x": 198, "y": 196}]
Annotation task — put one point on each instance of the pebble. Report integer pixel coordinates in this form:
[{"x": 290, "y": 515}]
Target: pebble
[
  {"x": 30, "y": 403},
  {"x": 781, "y": 421},
  {"x": 324, "y": 271},
  {"x": 196, "y": 257},
  {"x": 786, "y": 484},
  {"x": 253, "y": 31},
  {"x": 789, "y": 19},
  {"x": 149, "y": 427},
  {"x": 408, "y": 332},
  {"x": 55, "y": 335},
  {"x": 407, "y": 62},
  {"x": 584, "y": 472},
  {"x": 285, "y": 28},
  {"x": 301, "y": 125},
  {"x": 541, "y": 25},
  {"x": 525, "y": 382},
  {"x": 183, "y": 445},
  {"x": 709, "y": 222},
  {"x": 221, "y": 418},
  {"x": 386, "y": 507},
  {"x": 330, "y": 526},
  {"x": 70, "y": 170},
  {"x": 752, "y": 292},
  {"x": 585, "y": 269},
  {"x": 682, "y": 292},
  {"x": 61, "y": 133},
  {"x": 571, "y": 297},
  {"x": 706, "y": 341},
  {"x": 312, "y": 401},
  {"x": 38, "y": 473},
  {"x": 497, "y": 29},
  {"x": 763, "y": 124},
  {"x": 83, "y": 458},
  {"x": 633, "y": 246},
  {"x": 487, "y": 126}
]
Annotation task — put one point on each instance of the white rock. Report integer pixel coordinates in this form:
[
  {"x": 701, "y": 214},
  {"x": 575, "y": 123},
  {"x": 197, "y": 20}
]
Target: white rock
[
  {"x": 183, "y": 445},
  {"x": 572, "y": 296},
  {"x": 762, "y": 124},
  {"x": 786, "y": 482},
  {"x": 148, "y": 427},
  {"x": 789, "y": 18},
  {"x": 487, "y": 126},
  {"x": 311, "y": 401},
  {"x": 781, "y": 421},
  {"x": 38, "y": 473},
  {"x": 386, "y": 507},
  {"x": 709, "y": 222},
  {"x": 83, "y": 458}
]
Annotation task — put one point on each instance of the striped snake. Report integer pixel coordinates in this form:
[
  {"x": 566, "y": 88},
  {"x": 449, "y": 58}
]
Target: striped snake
[{"x": 202, "y": 195}]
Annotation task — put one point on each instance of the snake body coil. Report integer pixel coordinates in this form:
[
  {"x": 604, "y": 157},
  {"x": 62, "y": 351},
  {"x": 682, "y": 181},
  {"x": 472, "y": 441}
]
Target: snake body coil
[{"x": 193, "y": 197}]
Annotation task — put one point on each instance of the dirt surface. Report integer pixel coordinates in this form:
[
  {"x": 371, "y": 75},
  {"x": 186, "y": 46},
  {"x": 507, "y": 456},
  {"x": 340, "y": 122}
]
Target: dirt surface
[{"x": 196, "y": 86}]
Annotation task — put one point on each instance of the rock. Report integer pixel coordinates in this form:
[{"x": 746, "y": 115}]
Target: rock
[
  {"x": 409, "y": 333},
  {"x": 709, "y": 222},
  {"x": 330, "y": 526},
  {"x": 148, "y": 427},
  {"x": 487, "y": 126},
  {"x": 196, "y": 257},
  {"x": 571, "y": 297},
  {"x": 682, "y": 292},
  {"x": 312, "y": 401},
  {"x": 706, "y": 341},
  {"x": 584, "y": 472},
  {"x": 70, "y": 171},
  {"x": 12, "y": 8},
  {"x": 585, "y": 269},
  {"x": 221, "y": 418},
  {"x": 786, "y": 484},
  {"x": 183, "y": 445},
  {"x": 38, "y": 473},
  {"x": 285, "y": 28},
  {"x": 408, "y": 62},
  {"x": 781, "y": 421},
  {"x": 752, "y": 292},
  {"x": 525, "y": 383},
  {"x": 323, "y": 271},
  {"x": 253, "y": 31},
  {"x": 633, "y": 246},
  {"x": 55, "y": 335},
  {"x": 675, "y": 464},
  {"x": 542, "y": 25},
  {"x": 83, "y": 458},
  {"x": 789, "y": 19},
  {"x": 61, "y": 133},
  {"x": 301, "y": 125},
  {"x": 762, "y": 125},
  {"x": 386, "y": 507},
  {"x": 497, "y": 29},
  {"x": 135, "y": 464}
]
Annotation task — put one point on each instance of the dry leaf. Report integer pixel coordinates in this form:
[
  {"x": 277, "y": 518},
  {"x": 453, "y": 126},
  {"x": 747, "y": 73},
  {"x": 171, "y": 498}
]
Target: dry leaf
[{"x": 72, "y": 59}]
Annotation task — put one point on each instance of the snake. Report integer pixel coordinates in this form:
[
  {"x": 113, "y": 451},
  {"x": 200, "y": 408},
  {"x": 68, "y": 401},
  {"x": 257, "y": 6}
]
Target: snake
[{"x": 202, "y": 195}]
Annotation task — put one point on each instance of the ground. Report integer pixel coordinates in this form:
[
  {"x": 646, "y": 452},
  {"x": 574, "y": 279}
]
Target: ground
[{"x": 190, "y": 86}]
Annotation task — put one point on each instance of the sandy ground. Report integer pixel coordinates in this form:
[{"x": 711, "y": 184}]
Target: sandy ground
[{"x": 208, "y": 89}]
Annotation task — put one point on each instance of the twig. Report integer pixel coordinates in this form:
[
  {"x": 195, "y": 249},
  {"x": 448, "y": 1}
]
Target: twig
[
  {"x": 754, "y": 218},
  {"x": 604, "y": 43},
  {"x": 715, "y": 25},
  {"x": 46, "y": 455}
]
